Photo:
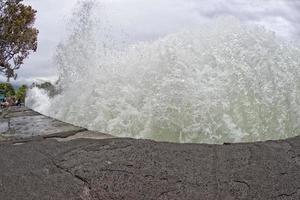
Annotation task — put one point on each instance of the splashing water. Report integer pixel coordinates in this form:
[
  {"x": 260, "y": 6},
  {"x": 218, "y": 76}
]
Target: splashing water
[{"x": 220, "y": 82}]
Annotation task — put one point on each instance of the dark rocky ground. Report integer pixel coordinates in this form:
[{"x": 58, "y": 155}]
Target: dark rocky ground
[{"x": 40, "y": 167}]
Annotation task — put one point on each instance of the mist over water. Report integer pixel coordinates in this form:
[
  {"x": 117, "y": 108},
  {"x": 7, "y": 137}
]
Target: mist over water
[{"x": 218, "y": 82}]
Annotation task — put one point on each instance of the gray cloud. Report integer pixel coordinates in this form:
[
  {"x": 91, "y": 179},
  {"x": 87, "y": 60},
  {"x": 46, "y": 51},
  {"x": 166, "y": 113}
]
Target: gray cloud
[{"x": 149, "y": 19}]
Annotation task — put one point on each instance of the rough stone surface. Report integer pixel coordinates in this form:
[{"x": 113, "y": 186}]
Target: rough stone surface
[
  {"x": 115, "y": 169},
  {"x": 143, "y": 169}
]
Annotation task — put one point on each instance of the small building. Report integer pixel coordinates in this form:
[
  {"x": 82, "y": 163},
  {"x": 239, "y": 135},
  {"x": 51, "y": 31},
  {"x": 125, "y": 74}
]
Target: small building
[{"x": 2, "y": 95}]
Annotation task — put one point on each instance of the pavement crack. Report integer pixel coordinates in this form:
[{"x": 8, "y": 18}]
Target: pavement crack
[
  {"x": 242, "y": 182},
  {"x": 86, "y": 190},
  {"x": 81, "y": 179},
  {"x": 74, "y": 175},
  {"x": 165, "y": 193},
  {"x": 288, "y": 194}
]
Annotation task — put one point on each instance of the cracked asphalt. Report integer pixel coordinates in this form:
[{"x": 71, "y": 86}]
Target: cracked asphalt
[{"x": 42, "y": 168}]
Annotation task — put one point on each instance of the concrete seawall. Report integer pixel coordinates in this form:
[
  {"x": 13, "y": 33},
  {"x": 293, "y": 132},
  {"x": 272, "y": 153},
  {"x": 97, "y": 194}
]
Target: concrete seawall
[
  {"x": 45, "y": 159},
  {"x": 22, "y": 124}
]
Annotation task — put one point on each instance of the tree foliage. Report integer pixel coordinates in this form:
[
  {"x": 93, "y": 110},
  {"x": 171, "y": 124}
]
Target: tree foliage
[
  {"x": 8, "y": 88},
  {"x": 21, "y": 93},
  {"x": 18, "y": 37}
]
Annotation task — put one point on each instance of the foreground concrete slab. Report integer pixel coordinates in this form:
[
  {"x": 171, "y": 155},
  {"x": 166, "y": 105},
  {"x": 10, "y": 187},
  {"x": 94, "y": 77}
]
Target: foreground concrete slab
[
  {"x": 143, "y": 169},
  {"x": 43, "y": 168}
]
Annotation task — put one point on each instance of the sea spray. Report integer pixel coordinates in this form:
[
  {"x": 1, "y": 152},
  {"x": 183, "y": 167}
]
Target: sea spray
[{"x": 219, "y": 82}]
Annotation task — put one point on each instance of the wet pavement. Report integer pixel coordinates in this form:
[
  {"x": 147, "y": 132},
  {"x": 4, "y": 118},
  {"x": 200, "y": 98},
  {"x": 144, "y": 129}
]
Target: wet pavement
[
  {"x": 55, "y": 165},
  {"x": 22, "y": 123}
]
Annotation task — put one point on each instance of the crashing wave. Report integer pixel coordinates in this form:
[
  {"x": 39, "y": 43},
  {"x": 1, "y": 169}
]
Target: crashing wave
[{"x": 219, "y": 82}]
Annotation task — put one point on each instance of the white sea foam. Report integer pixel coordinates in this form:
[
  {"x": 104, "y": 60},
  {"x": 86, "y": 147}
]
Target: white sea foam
[
  {"x": 220, "y": 82},
  {"x": 38, "y": 100}
]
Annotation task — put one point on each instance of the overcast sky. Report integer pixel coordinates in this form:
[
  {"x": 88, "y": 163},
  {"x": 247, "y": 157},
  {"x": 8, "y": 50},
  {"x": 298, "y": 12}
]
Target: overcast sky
[{"x": 145, "y": 19}]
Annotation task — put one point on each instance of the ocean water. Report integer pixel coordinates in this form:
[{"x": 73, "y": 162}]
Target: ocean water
[{"x": 222, "y": 81}]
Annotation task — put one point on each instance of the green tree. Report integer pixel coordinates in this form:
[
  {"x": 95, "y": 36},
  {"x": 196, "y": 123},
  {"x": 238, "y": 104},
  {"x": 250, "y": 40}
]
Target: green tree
[
  {"x": 8, "y": 88},
  {"x": 18, "y": 37},
  {"x": 21, "y": 93}
]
